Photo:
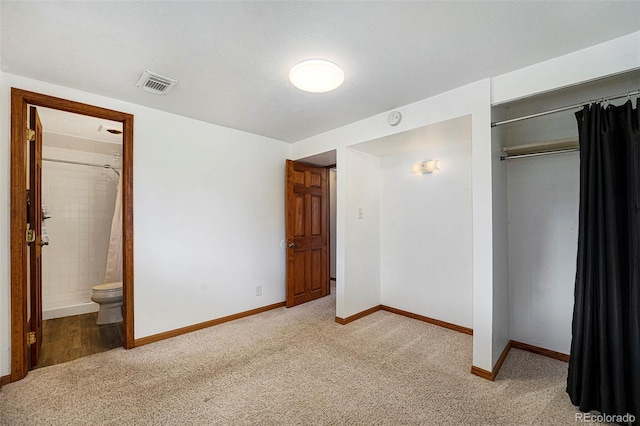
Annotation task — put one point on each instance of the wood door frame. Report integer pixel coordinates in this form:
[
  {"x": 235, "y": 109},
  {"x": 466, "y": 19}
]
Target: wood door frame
[
  {"x": 20, "y": 100},
  {"x": 34, "y": 213},
  {"x": 330, "y": 252}
]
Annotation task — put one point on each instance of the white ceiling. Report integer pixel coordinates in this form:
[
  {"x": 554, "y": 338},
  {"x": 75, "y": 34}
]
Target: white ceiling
[
  {"x": 79, "y": 126},
  {"x": 232, "y": 58}
]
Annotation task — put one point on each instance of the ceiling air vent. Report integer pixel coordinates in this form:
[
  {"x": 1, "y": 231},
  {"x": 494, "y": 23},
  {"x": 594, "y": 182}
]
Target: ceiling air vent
[{"x": 155, "y": 83}]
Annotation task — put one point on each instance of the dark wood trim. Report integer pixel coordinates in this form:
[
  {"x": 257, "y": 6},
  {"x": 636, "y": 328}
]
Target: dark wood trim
[
  {"x": 195, "y": 327},
  {"x": 19, "y": 323},
  {"x": 488, "y": 375},
  {"x": 357, "y": 316},
  {"x": 5, "y": 380},
  {"x": 503, "y": 356},
  {"x": 407, "y": 314},
  {"x": 433, "y": 321},
  {"x": 540, "y": 351},
  {"x": 128, "y": 338},
  {"x": 20, "y": 99},
  {"x": 491, "y": 375}
]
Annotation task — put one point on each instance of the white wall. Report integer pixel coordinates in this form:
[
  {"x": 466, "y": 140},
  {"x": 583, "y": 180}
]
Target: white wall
[
  {"x": 216, "y": 199},
  {"x": 362, "y": 234},
  {"x": 426, "y": 234},
  {"x": 543, "y": 237},
  {"x": 501, "y": 314},
  {"x": 208, "y": 216},
  {"x": 482, "y": 176},
  {"x": 609, "y": 58}
]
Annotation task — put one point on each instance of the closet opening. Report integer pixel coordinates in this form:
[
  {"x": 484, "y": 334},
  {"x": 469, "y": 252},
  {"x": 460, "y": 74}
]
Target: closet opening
[{"x": 542, "y": 196}]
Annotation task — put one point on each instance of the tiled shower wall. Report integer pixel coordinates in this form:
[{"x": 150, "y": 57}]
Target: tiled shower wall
[{"x": 81, "y": 200}]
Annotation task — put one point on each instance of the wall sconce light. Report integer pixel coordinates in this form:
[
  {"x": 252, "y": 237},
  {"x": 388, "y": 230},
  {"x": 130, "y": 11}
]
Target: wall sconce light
[{"x": 426, "y": 167}]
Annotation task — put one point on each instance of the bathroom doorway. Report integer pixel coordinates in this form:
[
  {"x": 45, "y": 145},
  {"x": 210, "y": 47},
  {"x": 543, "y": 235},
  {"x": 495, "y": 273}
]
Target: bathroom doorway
[
  {"x": 26, "y": 312},
  {"x": 81, "y": 229}
]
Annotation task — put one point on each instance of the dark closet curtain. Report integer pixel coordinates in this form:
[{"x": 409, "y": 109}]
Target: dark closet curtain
[{"x": 604, "y": 368}]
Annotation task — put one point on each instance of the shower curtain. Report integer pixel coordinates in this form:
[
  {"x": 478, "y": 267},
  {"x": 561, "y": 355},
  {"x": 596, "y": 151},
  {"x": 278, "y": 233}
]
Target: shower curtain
[
  {"x": 604, "y": 367},
  {"x": 113, "y": 272}
]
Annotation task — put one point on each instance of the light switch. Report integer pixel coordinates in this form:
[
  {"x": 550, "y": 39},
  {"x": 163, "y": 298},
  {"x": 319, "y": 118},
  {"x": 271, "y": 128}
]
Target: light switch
[{"x": 360, "y": 213}]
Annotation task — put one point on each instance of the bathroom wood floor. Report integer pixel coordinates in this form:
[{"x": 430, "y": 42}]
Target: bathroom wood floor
[{"x": 68, "y": 338}]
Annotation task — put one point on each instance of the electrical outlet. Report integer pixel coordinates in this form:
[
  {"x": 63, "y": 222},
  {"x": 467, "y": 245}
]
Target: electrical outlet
[{"x": 259, "y": 290}]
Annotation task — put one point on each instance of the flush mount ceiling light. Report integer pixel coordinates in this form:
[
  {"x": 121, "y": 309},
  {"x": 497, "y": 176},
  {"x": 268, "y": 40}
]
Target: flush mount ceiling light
[{"x": 316, "y": 76}]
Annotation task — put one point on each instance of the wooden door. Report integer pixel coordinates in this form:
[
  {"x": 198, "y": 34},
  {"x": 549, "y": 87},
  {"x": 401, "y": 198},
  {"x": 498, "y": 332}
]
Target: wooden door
[
  {"x": 307, "y": 213},
  {"x": 35, "y": 223}
]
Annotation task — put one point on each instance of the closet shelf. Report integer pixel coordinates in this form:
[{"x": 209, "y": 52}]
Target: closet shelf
[{"x": 541, "y": 148}]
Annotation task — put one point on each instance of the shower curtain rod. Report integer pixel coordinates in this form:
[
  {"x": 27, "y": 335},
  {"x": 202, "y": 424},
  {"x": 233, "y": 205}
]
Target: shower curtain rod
[
  {"x": 80, "y": 163},
  {"x": 553, "y": 111}
]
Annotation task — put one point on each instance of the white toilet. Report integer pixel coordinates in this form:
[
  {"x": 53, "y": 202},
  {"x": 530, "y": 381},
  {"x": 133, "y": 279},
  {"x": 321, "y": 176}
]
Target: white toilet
[{"x": 109, "y": 297}]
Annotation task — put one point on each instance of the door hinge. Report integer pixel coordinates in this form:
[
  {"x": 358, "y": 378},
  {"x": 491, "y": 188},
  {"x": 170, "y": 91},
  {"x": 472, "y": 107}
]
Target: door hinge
[
  {"x": 31, "y": 135},
  {"x": 31, "y": 236},
  {"x": 31, "y": 337}
]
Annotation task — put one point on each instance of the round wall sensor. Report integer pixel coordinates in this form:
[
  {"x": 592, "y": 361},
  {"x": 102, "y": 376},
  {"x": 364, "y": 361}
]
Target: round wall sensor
[{"x": 394, "y": 118}]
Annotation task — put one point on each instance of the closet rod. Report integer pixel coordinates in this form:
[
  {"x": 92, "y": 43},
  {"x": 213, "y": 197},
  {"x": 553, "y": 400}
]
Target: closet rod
[
  {"x": 536, "y": 154},
  {"x": 80, "y": 163},
  {"x": 553, "y": 111}
]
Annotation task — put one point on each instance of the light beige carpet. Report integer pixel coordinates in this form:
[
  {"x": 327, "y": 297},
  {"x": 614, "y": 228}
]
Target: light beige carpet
[{"x": 294, "y": 366}]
